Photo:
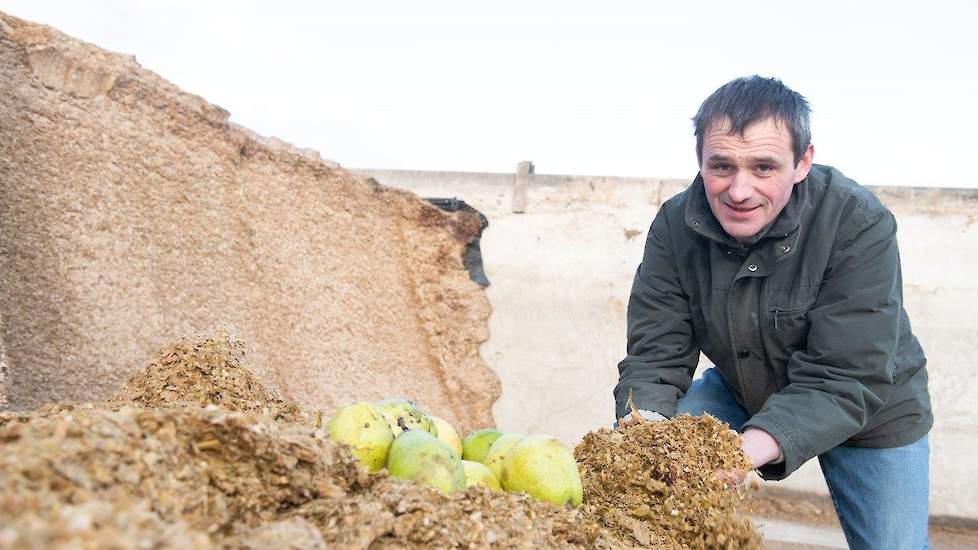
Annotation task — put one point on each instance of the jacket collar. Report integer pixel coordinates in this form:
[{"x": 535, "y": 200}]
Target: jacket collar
[{"x": 700, "y": 219}]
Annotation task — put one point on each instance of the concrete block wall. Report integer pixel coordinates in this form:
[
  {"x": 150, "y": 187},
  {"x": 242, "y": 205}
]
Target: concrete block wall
[{"x": 561, "y": 274}]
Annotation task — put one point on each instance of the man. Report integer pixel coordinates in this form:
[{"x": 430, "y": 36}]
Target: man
[{"x": 786, "y": 275}]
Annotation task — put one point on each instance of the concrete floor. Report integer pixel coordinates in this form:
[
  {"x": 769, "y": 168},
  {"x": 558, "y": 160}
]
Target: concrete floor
[{"x": 781, "y": 534}]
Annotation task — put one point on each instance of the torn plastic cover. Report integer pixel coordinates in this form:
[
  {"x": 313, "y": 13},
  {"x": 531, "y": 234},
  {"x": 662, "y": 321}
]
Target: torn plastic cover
[{"x": 473, "y": 252}]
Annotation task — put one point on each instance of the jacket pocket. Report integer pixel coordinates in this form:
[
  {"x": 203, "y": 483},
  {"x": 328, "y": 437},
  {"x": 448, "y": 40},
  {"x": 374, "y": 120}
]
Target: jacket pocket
[
  {"x": 783, "y": 316},
  {"x": 788, "y": 326}
]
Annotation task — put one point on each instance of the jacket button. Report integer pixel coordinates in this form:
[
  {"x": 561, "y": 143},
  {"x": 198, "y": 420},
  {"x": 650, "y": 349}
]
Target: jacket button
[
  {"x": 743, "y": 353},
  {"x": 752, "y": 268}
]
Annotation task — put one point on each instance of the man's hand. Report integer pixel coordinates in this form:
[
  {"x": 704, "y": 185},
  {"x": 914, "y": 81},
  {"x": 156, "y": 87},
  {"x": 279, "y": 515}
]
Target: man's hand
[
  {"x": 760, "y": 449},
  {"x": 629, "y": 418},
  {"x": 731, "y": 478}
]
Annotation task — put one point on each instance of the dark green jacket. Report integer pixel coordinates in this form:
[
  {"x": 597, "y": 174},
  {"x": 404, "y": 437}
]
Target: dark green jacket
[{"x": 806, "y": 325}]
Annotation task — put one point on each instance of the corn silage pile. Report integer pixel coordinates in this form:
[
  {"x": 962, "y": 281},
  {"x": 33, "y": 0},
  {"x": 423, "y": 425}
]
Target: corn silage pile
[
  {"x": 197, "y": 452},
  {"x": 652, "y": 484}
]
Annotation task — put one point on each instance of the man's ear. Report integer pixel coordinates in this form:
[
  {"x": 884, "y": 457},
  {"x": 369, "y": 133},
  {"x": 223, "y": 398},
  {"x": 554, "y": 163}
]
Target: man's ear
[{"x": 805, "y": 164}]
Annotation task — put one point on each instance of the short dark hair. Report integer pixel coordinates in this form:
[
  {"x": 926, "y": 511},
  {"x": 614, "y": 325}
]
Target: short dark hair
[{"x": 752, "y": 99}]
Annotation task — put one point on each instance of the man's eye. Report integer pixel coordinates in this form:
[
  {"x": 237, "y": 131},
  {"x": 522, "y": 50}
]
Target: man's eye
[
  {"x": 722, "y": 167},
  {"x": 765, "y": 168}
]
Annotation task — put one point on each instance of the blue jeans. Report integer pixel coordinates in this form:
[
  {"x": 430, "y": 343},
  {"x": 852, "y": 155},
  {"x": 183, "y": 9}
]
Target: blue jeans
[{"x": 880, "y": 495}]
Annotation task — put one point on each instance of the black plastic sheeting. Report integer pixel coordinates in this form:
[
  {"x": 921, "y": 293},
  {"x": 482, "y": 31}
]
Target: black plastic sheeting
[{"x": 473, "y": 252}]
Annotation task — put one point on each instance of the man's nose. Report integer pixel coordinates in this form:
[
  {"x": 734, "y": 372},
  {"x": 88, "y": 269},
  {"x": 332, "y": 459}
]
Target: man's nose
[{"x": 741, "y": 189}]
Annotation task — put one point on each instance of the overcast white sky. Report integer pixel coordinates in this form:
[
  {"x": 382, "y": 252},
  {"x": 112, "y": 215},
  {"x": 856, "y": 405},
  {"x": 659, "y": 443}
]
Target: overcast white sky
[{"x": 578, "y": 87}]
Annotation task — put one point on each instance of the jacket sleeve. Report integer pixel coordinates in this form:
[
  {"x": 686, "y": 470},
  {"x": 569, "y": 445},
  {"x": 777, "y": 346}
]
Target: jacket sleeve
[
  {"x": 661, "y": 351},
  {"x": 845, "y": 374}
]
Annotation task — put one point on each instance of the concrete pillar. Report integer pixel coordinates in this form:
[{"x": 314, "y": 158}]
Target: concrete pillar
[{"x": 520, "y": 184}]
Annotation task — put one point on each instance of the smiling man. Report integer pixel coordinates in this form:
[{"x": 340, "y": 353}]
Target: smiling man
[
  {"x": 786, "y": 275},
  {"x": 749, "y": 174}
]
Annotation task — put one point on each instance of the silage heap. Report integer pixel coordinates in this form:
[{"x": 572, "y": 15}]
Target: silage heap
[
  {"x": 196, "y": 451},
  {"x": 651, "y": 484},
  {"x": 212, "y": 370}
]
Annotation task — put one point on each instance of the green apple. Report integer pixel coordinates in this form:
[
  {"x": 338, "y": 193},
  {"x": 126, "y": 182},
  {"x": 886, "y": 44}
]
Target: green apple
[
  {"x": 420, "y": 457},
  {"x": 502, "y": 445},
  {"x": 364, "y": 428},
  {"x": 542, "y": 467},
  {"x": 476, "y": 474},
  {"x": 448, "y": 435},
  {"x": 409, "y": 413},
  {"x": 476, "y": 445}
]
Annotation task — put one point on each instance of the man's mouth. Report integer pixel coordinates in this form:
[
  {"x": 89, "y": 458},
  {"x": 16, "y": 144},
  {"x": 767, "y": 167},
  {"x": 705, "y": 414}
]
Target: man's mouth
[{"x": 741, "y": 209}]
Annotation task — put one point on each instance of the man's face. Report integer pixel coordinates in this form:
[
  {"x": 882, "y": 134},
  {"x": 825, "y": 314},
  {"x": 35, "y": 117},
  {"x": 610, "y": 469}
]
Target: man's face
[{"x": 749, "y": 177}]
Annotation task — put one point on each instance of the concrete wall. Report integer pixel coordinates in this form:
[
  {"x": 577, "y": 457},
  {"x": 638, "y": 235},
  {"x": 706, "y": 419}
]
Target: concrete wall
[{"x": 561, "y": 274}]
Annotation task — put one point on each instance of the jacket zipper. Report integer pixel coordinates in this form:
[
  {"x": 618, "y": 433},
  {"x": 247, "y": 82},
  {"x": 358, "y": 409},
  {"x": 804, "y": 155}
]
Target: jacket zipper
[{"x": 738, "y": 368}]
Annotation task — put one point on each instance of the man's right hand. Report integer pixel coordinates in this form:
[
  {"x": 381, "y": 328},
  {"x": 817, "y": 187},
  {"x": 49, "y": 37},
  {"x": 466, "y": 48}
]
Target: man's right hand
[{"x": 629, "y": 418}]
